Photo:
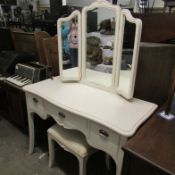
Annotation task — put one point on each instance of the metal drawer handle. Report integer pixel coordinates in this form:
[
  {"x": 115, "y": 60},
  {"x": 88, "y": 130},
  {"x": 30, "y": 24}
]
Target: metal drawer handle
[
  {"x": 35, "y": 100},
  {"x": 103, "y": 133},
  {"x": 62, "y": 115}
]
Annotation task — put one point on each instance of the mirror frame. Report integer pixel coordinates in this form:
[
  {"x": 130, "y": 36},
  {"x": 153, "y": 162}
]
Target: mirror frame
[
  {"x": 117, "y": 10},
  {"x": 59, "y": 23},
  {"x": 126, "y": 15}
]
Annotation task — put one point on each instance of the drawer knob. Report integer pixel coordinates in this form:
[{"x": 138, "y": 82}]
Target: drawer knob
[
  {"x": 62, "y": 115},
  {"x": 103, "y": 133},
  {"x": 35, "y": 100}
]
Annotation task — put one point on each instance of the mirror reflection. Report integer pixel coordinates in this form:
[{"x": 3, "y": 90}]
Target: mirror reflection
[
  {"x": 127, "y": 55},
  {"x": 70, "y": 42},
  {"x": 100, "y": 35},
  {"x": 130, "y": 34},
  {"x": 70, "y": 50}
]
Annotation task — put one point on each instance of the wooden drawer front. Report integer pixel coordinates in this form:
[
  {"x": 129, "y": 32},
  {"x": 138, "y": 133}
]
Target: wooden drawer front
[
  {"x": 66, "y": 119},
  {"x": 36, "y": 105},
  {"x": 103, "y": 137}
]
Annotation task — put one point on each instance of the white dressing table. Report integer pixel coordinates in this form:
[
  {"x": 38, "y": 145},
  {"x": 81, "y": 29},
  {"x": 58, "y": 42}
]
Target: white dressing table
[{"x": 105, "y": 118}]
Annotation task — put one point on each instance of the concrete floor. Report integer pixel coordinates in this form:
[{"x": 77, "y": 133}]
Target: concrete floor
[{"x": 15, "y": 160}]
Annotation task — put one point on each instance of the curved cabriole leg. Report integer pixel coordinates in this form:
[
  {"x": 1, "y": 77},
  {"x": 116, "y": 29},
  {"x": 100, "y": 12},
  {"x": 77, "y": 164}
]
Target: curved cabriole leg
[
  {"x": 119, "y": 163},
  {"x": 82, "y": 165},
  {"x": 51, "y": 152},
  {"x": 31, "y": 133}
]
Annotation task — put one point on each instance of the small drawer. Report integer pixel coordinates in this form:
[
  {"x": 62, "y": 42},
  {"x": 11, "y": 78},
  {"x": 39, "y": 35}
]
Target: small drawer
[
  {"x": 105, "y": 138},
  {"x": 67, "y": 119},
  {"x": 36, "y": 105}
]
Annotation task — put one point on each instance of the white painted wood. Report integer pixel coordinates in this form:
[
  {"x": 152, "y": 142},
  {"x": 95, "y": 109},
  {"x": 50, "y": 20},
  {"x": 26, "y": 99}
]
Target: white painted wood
[
  {"x": 106, "y": 108},
  {"x": 76, "y": 76},
  {"x": 69, "y": 120},
  {"x": 117, "y": 10},
  {"x": 73, "y": 142},
  {"x": 126, "y": 87},
  {"x": 105, "y": 119}
]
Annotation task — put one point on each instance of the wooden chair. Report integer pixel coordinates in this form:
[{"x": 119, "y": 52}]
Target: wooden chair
[
  {"x": 39, "y": 36},
  {"x": 24, "y": 42},
  {"x": 51, "y": 53},
  {"x": 5, "y": 35}
]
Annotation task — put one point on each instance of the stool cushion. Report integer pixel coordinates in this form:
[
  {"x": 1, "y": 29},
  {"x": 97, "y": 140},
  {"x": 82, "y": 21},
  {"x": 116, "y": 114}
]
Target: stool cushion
[{"x": 72, "y": 139}]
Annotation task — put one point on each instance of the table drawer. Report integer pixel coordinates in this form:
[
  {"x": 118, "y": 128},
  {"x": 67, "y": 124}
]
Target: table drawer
[
  {"x": 36, "y": 105},
  {"x": 105, "y": 138},
  {"x": 67, "y": 119}
]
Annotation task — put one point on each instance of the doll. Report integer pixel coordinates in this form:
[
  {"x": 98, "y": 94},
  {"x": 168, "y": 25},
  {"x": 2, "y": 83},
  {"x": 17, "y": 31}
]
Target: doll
[{"x": 73, "y": 42}]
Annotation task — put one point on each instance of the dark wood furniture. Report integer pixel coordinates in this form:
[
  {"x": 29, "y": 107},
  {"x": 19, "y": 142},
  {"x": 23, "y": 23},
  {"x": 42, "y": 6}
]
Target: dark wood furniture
[
  {"x": 151, "y": 150},
  {"x": 3, "y": 100},
  {"x": 51, "y": 53},
  {"x": 6, "y": 42},
  {"x": 24, "y": 42},
  {"x": 15, "y": 109},
  {"x": 157, "y": 27},
  {"x": 39, "y": 36},
  {"x": 155, "y": 67}
]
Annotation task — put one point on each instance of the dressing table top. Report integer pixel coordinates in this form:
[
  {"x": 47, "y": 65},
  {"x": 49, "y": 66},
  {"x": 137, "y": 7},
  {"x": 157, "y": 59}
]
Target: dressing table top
[{"x": 100, "y": 106}]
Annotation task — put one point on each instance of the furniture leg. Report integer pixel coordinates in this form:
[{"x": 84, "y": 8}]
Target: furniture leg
[
  {"x": 107, "y": 161},
  {"x": 82, "y": 165},
  {"x": 51, "y": 152},
  {"x": 119, "y": 159},
  {"x": 119, "y": 162},
  {"x": 31, "y": 133}
]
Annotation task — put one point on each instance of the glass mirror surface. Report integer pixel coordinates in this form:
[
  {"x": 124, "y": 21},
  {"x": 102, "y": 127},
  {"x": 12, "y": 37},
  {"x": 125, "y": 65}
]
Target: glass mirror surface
[
  {"x": 70, "y": 48},
  {"x": 100, "y": 36},
  {"x": 127, "y": 55},
  {"x": 130, "y": 34}
]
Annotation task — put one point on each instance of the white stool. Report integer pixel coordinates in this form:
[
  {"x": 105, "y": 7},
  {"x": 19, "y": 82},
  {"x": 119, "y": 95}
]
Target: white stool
[{"x": 71, "y": 141}]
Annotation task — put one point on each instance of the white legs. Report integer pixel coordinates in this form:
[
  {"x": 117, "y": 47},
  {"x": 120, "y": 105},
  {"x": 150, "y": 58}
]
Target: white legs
[
  {"x": 51, "y": 152},
  {"x": 119, "y": 162},
  {"x": 31, "y": 133},
  {"x": 82, "y": 160},
  {"x": 119, "y": 158},
  {"x": 82, "y": 165}
]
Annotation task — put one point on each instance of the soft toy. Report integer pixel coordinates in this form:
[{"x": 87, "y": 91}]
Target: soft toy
[
  {"x": 94, "y": 52},
  {"x": 107, "y": 27}
]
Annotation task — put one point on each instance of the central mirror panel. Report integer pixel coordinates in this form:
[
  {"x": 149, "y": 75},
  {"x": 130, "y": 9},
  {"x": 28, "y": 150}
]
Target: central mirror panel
[
  {"x": 100, "y": 31},
  {"x": 69, "y": 47}
]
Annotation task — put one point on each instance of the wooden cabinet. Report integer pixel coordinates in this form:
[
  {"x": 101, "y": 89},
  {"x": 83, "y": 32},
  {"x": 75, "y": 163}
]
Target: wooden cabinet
[
  {"x": 3, "y": 100},
  {"x": 15, "y": 105},
  {"x": 151, "y": 150},
  {"x": 137, "y": 166}
]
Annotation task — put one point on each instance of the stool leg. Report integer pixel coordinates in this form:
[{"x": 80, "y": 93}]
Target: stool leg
[
  {"x": 51, "y": 152},
  {"x": 82, "y": 165},
  {"x": 107, "y": 161},
  {"x": 31, "y": 132}
]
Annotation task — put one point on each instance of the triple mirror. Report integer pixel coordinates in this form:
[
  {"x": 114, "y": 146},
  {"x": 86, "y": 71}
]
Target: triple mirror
[{"x": 103, "y": 50}]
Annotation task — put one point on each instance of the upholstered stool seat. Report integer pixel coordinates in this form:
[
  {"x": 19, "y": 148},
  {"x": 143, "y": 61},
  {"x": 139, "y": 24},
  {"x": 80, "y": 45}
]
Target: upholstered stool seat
[{"x": 71, "y": 141}]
